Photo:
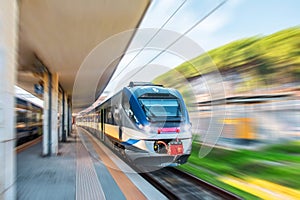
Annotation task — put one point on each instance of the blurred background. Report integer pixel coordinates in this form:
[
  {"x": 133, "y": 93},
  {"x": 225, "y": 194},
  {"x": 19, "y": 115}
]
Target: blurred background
[
  {"x": 247, "y": 129},
  {"x": 242, "y": 89},
  {"x": 258, "y": 144}
]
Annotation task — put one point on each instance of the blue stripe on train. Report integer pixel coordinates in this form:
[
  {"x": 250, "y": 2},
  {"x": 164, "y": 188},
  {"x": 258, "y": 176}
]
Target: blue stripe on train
[
  {"x": 130, "y": 142},
  {"x": 136, "y": 107}
]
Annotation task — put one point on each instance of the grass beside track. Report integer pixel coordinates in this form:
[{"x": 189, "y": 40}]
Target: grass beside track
[{"x": 276, "y": 163}]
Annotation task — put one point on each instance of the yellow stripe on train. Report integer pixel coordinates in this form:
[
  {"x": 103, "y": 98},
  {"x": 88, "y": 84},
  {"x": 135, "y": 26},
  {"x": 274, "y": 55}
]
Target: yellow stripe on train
[{"x": 112, "y": 130}]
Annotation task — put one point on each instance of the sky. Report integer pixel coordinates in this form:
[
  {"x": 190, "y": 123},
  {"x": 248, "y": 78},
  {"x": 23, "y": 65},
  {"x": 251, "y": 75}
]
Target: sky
[{"x": 236, "y": 19}]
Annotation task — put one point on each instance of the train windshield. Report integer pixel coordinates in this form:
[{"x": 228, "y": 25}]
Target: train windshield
[{"x": 156, "y": 109}]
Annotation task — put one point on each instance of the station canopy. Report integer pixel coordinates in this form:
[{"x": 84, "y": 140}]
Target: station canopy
[{"x": 60, "y": 34}]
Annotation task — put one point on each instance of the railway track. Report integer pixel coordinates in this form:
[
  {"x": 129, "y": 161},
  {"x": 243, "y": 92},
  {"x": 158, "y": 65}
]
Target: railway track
[{"x": 176, "y": 184}]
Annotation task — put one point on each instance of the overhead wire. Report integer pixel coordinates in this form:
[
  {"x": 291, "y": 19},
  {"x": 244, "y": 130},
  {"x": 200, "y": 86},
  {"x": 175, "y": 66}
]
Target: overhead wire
[
  {"x": 181, "y": 36},
  {"x": 186, "y": 32},
  {"x": 153, "y": 36}
]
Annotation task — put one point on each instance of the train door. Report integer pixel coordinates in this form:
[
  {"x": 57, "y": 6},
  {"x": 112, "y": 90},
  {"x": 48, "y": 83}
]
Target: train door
[
  {"x": 102, "y": 124},
  {"x": 97, "y": 122}
]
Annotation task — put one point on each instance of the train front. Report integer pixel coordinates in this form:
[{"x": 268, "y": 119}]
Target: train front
[{"x": 162, "y": 130}]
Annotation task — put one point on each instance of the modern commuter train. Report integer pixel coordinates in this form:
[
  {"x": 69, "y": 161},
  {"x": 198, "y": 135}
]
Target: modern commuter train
[
  {"x": 29, "y": 123},
  {"x": 149, "y": 123}
]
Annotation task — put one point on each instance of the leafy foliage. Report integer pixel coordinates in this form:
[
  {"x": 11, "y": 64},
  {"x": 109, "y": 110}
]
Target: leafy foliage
[{"x": 270, "y": 60}]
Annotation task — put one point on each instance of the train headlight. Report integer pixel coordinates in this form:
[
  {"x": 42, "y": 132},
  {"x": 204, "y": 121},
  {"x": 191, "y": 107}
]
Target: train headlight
[{"x": 140, "y": 126}]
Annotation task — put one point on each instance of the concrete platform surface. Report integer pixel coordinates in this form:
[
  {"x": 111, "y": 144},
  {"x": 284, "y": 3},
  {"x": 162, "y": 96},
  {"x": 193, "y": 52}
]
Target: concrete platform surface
[
  {"x": 84, "y": 169},
  {"x": 46, "y": 177}
]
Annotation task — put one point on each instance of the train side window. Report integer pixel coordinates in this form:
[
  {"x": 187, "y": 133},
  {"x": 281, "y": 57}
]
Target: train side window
[
  {"x": 98, "y": 117},
  {"x": 110, "y": 117},
  {"x": 34, "y": 117},
  {"x": 126, "y": 105},
  {"x": 116, "y": 116},
  {"x": 21, "y": 117},
  {"x": 125, "y": 102}
]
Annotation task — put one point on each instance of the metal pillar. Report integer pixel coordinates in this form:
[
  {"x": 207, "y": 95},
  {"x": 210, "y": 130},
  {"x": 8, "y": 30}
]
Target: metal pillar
[
  {"x": 69, "y": 117},
  {"x": 64, "y": 136},
  {"x": 8, "y": 60},
  {"x": 66, "y": 131},
  {"x": 50, "y": 124},
  {"x": 60, "y": 114},
  {"x": 54, "y": 116},
  {"x": 47, "y": 114}
]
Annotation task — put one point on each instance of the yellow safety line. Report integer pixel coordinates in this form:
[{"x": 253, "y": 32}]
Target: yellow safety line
[
  {"x": 129, "y": 189},
  {"x": 262, "y": 189},
  {"x": 273, "y": 186}
]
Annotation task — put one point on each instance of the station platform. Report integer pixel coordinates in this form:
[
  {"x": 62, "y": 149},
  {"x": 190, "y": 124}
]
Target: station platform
[{"x": 83, "y": 169}]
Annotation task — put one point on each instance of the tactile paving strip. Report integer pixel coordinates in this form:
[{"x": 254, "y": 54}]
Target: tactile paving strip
[{"x": 87, "y": 183}]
